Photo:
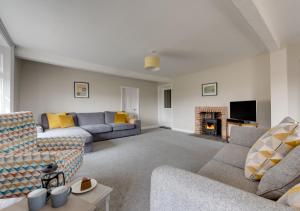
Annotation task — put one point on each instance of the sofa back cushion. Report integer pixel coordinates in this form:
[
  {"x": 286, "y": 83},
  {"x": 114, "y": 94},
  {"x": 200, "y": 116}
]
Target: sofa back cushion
[
  {"x": 279, "y": 179},
  {"x": 17, "y": 133},
  {"x": 90, "y": 118},
  {"x": 270, "y": 149},
  {"x": 110, "y": 117},
  {"x": 45, "y": 123}
]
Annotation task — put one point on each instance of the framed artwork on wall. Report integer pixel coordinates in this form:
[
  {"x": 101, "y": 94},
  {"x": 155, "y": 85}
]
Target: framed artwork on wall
[
  {"x": 81, "y": 90},
  {"x": 210, "y": 89}
]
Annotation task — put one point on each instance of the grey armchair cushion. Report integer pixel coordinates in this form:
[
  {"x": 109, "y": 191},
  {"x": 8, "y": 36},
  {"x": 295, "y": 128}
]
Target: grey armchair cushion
[
  {"x": 97, "y": 128},
  {"x": 233, "y": 154},
  {"x": 90, "y": 118},
  {"x": 109, "y": 117},
  {"x": 277, "y": 180},
  {"x": 122, "y": 126}
]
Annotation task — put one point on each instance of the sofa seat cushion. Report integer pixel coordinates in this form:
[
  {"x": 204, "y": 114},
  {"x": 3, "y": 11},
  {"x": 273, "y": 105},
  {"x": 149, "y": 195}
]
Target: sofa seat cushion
[
  {"x": 229, "y": 175},
  {"x": 62, "y": 132},
  {"x": 233, "y": 154},
  {"x": 97, "y": 128},
  {"x": 122, "y": 126},
  {"x": 90, "y": 118}
]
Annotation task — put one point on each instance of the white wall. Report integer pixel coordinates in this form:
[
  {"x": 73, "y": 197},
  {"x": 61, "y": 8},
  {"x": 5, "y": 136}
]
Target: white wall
[
  {"x": 245, "y": 80},
  {"x": 49, "y": 88},
  {"x": 293, "y": 52},
  {"x": 279, "y": 85}
]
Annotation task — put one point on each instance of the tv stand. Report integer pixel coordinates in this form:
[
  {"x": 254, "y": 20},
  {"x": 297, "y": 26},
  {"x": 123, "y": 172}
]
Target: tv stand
[{"x": 239, "y": 123}]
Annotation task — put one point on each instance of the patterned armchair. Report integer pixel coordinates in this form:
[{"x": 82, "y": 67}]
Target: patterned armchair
[{"x": 22, "y": 155}]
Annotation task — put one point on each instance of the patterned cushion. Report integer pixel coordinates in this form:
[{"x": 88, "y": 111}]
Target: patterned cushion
[
  {"x": 292, "y": 197},
  {"x": 270, "y": 149},
  {"x": 17, "y": 133}
]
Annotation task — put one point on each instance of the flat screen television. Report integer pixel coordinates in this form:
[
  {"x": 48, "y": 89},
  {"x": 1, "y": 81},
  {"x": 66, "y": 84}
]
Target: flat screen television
[{"x": 243, "y": 110}]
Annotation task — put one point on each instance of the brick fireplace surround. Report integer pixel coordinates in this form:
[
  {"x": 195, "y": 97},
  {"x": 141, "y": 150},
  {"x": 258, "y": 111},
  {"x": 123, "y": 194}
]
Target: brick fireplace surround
[{"x": 223, "y": 115}]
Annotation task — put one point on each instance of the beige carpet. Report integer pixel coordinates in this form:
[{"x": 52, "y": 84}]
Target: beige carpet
[{"x": 126, "y": 164}]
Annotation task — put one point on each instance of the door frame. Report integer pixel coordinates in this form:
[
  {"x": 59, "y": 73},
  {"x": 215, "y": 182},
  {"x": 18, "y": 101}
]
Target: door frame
[
  {"x": 159, "y": 89},
  {"x": 138, "y": 98}
]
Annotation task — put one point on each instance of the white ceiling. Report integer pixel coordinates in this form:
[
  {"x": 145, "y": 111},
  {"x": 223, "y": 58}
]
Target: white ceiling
[{"x": 114, "y": 36}]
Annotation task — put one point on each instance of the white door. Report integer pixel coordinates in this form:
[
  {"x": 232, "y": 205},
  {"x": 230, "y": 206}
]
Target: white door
[
  {"x": 165, "y": 114},
  {"x": 130, "y": 100}
]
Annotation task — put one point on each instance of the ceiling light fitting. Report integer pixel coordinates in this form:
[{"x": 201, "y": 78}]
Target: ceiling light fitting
[{"x": 152, "y": 62}]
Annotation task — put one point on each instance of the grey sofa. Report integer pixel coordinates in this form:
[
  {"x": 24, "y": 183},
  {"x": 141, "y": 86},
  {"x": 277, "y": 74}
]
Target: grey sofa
[
  {"x": 95, "y": 126},
  {"x": 219, "y": 185}
]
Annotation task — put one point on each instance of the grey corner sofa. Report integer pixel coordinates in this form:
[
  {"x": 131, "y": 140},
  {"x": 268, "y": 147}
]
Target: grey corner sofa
[
  {"x": 219, "y": 185},
  {"x": 95, "y": 126}
]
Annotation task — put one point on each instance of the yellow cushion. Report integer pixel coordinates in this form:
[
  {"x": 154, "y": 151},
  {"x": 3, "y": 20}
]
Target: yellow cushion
[
  {"x": 291, "y": 197},
  {"x": 121, "y": 117},
  {"x": 53, "y": 120},
  {"x": 271, "y": 148},
  {"x": 66, "y": 121}
]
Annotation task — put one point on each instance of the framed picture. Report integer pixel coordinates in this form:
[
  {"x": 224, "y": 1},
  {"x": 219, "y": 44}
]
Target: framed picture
[
  {"x": 81, "y": 90},
  {"x": 210, "y": 89}
]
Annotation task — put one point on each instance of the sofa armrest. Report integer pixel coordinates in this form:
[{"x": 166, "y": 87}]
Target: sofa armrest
[
  {"x": 176, "y": 189},
  {"x": 245, "y": 136},
  {"x": 60, "y": 143},
  {"x": 138, "y": 124}
]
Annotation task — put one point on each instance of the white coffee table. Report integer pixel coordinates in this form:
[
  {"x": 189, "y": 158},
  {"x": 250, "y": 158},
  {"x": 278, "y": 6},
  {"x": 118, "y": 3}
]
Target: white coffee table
[{"x": 99, "y": 195}]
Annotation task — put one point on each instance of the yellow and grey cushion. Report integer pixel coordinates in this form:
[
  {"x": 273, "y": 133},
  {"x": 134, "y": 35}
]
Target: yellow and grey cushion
[
  {"x": 270, "y": 149},
  {"x": 291, "y": 197}
]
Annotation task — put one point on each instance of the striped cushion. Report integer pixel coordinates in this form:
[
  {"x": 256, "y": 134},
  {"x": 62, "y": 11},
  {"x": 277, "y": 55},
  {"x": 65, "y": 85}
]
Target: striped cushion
[{"x": 17, "y": 133}]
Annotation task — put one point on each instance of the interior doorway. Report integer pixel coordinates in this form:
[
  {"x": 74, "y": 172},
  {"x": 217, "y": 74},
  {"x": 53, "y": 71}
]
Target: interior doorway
[
  {"x": 130, "y": 102},
  {"x": 165, "y": 111}
]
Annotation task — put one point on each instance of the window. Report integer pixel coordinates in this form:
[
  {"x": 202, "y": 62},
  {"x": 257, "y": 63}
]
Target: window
[
  {"x": 167, "y": 98},
  {"x": 5, "y": 79}
]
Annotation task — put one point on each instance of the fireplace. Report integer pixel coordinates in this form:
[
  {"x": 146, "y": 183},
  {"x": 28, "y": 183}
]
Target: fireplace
[
  {"x": 212, "y": 127},
  {"x": 211, "y": 121}
]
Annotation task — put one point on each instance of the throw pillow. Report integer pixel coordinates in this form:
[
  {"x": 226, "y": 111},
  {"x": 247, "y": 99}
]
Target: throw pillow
[
  {"x": 292, "y": 197},
  {"x": 121, "y": 117},
  {"x": 66, "y": 121},
  {"x": 53, "y": 120},
  {"x": 269, "y": 150},
  {"x": 277, "y": 180}
]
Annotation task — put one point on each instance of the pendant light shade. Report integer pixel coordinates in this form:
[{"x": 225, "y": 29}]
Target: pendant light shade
[{"x": 152, "y": 62}]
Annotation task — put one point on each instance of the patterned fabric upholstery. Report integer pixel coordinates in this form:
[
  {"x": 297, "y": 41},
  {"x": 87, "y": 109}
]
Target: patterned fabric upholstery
[
  {"x": 270, "y": 149},
  {"x": 17, "y": 133},
  {"x": 22, "y": 155},
  {"x": 291, "y": 197}
]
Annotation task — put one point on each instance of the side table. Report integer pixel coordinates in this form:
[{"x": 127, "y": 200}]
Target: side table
[{"x": 97, "y": 196}]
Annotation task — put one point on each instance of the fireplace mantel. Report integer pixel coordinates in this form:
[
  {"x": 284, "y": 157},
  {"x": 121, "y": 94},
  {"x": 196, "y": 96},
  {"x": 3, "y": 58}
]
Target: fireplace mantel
[{"x": 207, "y": 109}]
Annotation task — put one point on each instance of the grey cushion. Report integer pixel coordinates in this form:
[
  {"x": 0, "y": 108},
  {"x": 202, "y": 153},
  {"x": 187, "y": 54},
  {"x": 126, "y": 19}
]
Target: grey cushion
[
  {"x": 233, "y": 154},
  {"x": 97, "y": 128},
  {"x": 229, "y": 175},
  {"x": 245, "y": 136},
  {"x": 45, "y": 123},
  {"x": 277, "y": 180},
  {"x": 122, "y": 126},
  {"x": 90, "y": 118},
  {"x": 109, "y": 117},
  {"x": 72, "y": 131}
]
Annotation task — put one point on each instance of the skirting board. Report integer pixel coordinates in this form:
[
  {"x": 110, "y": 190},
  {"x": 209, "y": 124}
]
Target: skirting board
[
  {"x": 182, "y": 130},
  {"x": 150, "y": 127}
]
